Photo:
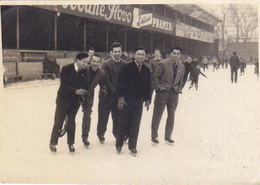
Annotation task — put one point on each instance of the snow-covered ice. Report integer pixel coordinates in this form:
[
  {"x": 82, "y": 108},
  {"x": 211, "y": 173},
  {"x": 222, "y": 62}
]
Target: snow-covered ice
[{"x": 216, "y": 133}]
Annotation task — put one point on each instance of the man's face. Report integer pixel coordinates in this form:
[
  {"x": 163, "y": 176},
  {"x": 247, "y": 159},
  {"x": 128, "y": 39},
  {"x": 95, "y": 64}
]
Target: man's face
[
  {"x": 140, "y": 56},
  {"x": 85, "y": 62},
  {"x": 176, "y": 54},
  {"x": 189, "y": 59},
  {"x": 117, "y": 52},
  {"x": 157, "y": 54},
  {"x": 95, "y": 63},
  {"x": 91, "y": 53}
]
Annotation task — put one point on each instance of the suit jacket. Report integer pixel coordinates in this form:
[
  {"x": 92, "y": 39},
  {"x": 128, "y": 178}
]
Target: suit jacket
[
  {"x": 70, "y": 81},
  {"x": 163, "y": 76},
  {"x": 134, "y": 85},
  {"x": 234, "y": 62},
  {"x": 90, "y": 85}
]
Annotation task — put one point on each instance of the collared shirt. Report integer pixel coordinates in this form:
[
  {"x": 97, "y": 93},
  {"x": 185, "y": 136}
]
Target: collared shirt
[{"x": 76, "y": 67}]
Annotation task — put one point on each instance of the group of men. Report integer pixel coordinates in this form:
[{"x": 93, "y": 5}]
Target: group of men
[{"x": 125, "y": 87}]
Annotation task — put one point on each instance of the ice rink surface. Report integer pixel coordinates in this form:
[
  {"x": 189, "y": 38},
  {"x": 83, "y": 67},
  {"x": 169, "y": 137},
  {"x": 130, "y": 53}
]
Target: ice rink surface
[{"x": 216, "y": 133}]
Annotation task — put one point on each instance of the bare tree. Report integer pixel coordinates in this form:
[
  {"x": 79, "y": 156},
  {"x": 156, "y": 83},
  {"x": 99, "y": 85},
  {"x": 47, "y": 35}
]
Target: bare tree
[
  {"x": 221, "y": 27},
  {"x": 249, "y": 25},
  {"x": 244, "y": 19}
]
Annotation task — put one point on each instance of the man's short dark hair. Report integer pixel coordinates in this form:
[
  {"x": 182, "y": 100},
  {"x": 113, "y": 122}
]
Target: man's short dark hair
[
  {"x": 140, "y": 48},
  {"x": 116, "y": 45},
  {"x": 234, "y": 53},
  {"x": 176, "y": 48},
  {"x": 91, "y": 48},
  {"x": 97, "y": 55},
  {"x": 80, "y": 56}
]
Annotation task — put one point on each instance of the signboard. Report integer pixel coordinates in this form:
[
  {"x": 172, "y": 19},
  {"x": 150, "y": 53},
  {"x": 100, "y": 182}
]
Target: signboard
[
  {"x": 186, "y": 31},
  {"x": 150, "y": 21},
  {"x": 126, "y": 15}
]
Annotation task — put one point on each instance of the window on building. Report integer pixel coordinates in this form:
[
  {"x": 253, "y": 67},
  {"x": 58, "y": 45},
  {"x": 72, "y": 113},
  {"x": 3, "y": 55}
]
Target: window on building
[
  {"x": 8, "y": 27},
  {"x": 132, "y": 39},
  {"x": 158, "y": 42},
  {"x": 36, "y": 28},
  {"x": 169, "y": 13},
  {"x": 147, "y": 7},
  {"x": 168, "y": 43},
  {"x": 116, "y": 33},
  {"x": 96, "y": 35},
  {"x": 146, "y": 40},
  {"x": 70, "y": 33},
  {"x": 159, "y": 9}
]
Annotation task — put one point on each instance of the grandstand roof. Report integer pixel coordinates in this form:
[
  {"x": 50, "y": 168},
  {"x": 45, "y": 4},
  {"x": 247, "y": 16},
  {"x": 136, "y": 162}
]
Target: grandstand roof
[{"x": 197, "y": 13}]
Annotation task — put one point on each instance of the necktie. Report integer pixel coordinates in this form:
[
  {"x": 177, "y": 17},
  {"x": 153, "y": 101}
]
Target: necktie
[{"x": 139, "y": 67}]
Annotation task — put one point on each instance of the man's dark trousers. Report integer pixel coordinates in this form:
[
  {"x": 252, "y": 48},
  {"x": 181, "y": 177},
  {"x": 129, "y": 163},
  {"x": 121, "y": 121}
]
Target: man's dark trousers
[
  {"x": 86, "y": 120},
  {"x": 129, "y": 123},
  {"x": 60, "y": 114},
  {"x": 233, "y": 71},
  {"x": 164, "y": 98},
  {"x": 105, "y": 106}
]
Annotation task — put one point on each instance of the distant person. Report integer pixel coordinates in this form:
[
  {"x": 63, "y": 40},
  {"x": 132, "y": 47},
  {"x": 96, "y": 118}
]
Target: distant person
[
  {"x": 188, "y": 67},
  {"x": 91, "y": 51},
  {"x": 215, "y": 63},
  {"x": 256, "y": 71},
  {"x": 134, "y": 89},
  {"x": 242, "y": 67},
  {"x": 168, "y": 83},
  {"x": 205, "y": 63},
  {"x": 69, "y": 98},
  {"x": 156, "y": 60},
  {"x": 194, "y": 76},
  {"x": 234, "y": 65}
]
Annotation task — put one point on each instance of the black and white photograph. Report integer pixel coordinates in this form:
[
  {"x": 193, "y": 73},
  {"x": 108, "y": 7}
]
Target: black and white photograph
[{"x": 140, "y": 93}]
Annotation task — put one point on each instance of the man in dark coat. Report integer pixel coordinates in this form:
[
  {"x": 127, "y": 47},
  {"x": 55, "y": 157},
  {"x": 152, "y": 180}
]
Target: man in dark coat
[
  {"x": 68, "y": 100},
  {"x": 95, "y": 76},
  {"x": 234, "y": 65},
  {"x": 108, "y": 101},
  {"x": 168, "y": 83},
  {"x": 134, "y": 88}
]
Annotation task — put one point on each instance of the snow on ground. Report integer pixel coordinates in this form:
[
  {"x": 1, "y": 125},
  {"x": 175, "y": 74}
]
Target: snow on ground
[{"x": 216, "y": 133}]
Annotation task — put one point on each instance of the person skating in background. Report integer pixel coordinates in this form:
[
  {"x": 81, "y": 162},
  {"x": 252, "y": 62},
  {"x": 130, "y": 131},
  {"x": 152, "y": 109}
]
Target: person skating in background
[
  {"x": 204, "y": 63},
  {"x": 168, "y": 83},
  {"x": 234, "y": 65},
  {"x": 108, "y": 101},
  {"x": 69, "y": 98},
  {"x": 256, "y": 71},
  {"x": 188, "y": 68},
  {"x": 215, "y": 63},
  {"x": 134, "y": 88},
  {"x": 194, "y": 76},
  {"x": 242, "y": 67}
]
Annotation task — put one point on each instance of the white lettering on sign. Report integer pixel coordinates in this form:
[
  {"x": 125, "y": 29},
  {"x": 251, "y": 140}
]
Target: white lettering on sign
[
  {"x": 114, "y": 12},
  {"x": 161, "y": 24}
]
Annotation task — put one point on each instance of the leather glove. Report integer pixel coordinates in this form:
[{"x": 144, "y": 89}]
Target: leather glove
[{"x": 121, "y": 103}]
